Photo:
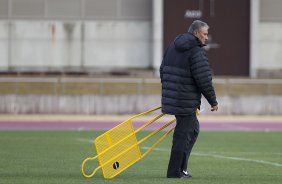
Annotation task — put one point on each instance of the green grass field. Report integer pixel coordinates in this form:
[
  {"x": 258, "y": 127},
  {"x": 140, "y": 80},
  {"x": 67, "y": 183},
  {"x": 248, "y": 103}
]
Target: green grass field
[{"x": 36, "y": 157}]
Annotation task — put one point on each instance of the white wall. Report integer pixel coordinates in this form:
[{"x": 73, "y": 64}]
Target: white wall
[
  {"x": 75, "y": 34},
  {"x": 41, "y": 45},
  {"x": 270, "y": 46},
  {"x": 119, "y": 44},
  {"x": 45, "y": 44},
  {"x": 266, "y": 38},
  {"x": 3, "y": 45}
]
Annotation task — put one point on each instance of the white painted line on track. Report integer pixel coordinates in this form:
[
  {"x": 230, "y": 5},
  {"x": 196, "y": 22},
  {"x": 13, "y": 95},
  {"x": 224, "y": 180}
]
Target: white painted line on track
[
  {"x": 84, "y": 140},
  {"x": 224, "y": 157},
  {"x": 238, "y": 158},
  {"x": 206, "y": 155},
  {"x": 156, "y": 149}
]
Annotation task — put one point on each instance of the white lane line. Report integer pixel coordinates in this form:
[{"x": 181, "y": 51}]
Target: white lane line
[
  {"x": 239, "y": 159},
  {"x": 207, "y": 155},
  {"x": 84, "y": 140},
  {"x": 224, "y": 157},
  {"x": 244, "y": 153},
  {"x": 156, "y": 149}
]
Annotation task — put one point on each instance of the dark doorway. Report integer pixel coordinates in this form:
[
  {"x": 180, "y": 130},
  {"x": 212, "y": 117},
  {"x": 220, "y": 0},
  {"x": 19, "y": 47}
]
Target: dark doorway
[{"x": 229, "y": 33}]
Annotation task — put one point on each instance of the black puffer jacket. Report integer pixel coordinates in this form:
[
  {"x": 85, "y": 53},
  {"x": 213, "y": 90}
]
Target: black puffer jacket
[{"x": 185, "y": 75}]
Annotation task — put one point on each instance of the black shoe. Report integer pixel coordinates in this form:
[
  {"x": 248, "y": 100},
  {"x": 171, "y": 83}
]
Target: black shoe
[{"x": 185, "y": 174}]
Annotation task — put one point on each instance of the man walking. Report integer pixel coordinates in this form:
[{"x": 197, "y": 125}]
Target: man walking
[{"x": 186, "y": 76}]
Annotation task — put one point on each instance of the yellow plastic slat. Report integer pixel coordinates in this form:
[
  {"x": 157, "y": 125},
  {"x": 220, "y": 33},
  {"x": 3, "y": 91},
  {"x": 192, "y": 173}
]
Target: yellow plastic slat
[{"x": 115, "y": 146}]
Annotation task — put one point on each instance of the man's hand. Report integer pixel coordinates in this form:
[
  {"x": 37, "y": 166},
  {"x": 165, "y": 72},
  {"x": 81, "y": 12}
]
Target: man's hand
[{"x": 214, "y": 108}]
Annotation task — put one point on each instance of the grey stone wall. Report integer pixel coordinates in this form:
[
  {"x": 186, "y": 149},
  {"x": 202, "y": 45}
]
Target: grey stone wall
[{"x": 129, "y": 104}]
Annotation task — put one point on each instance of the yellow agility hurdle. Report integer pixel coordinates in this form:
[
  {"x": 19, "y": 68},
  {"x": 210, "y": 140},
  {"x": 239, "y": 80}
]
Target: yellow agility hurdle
[{"x": 118, "y": 148}]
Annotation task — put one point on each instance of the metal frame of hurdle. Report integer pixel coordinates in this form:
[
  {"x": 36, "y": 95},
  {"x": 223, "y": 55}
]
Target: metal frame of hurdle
[{"x": 118, "y": 148}]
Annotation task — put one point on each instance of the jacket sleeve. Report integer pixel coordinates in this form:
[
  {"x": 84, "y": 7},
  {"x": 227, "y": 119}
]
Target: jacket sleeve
[
  {"x": 161, "y": 70},
  {"x": 202, "y": 75},
  {"x": 162, "y": 65}
]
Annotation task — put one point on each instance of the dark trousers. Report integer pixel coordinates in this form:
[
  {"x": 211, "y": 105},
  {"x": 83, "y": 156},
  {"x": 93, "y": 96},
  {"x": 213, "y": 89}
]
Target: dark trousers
[{"x": 184, "y": 137}]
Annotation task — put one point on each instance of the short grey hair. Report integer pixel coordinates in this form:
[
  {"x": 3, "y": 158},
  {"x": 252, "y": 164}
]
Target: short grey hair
[{"x": 197, "y": 25}]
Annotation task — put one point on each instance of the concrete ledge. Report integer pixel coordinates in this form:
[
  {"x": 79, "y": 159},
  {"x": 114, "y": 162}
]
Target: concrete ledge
[
  {"x": 129, "y": 95},
  {"x": 123, "y": 86}
]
